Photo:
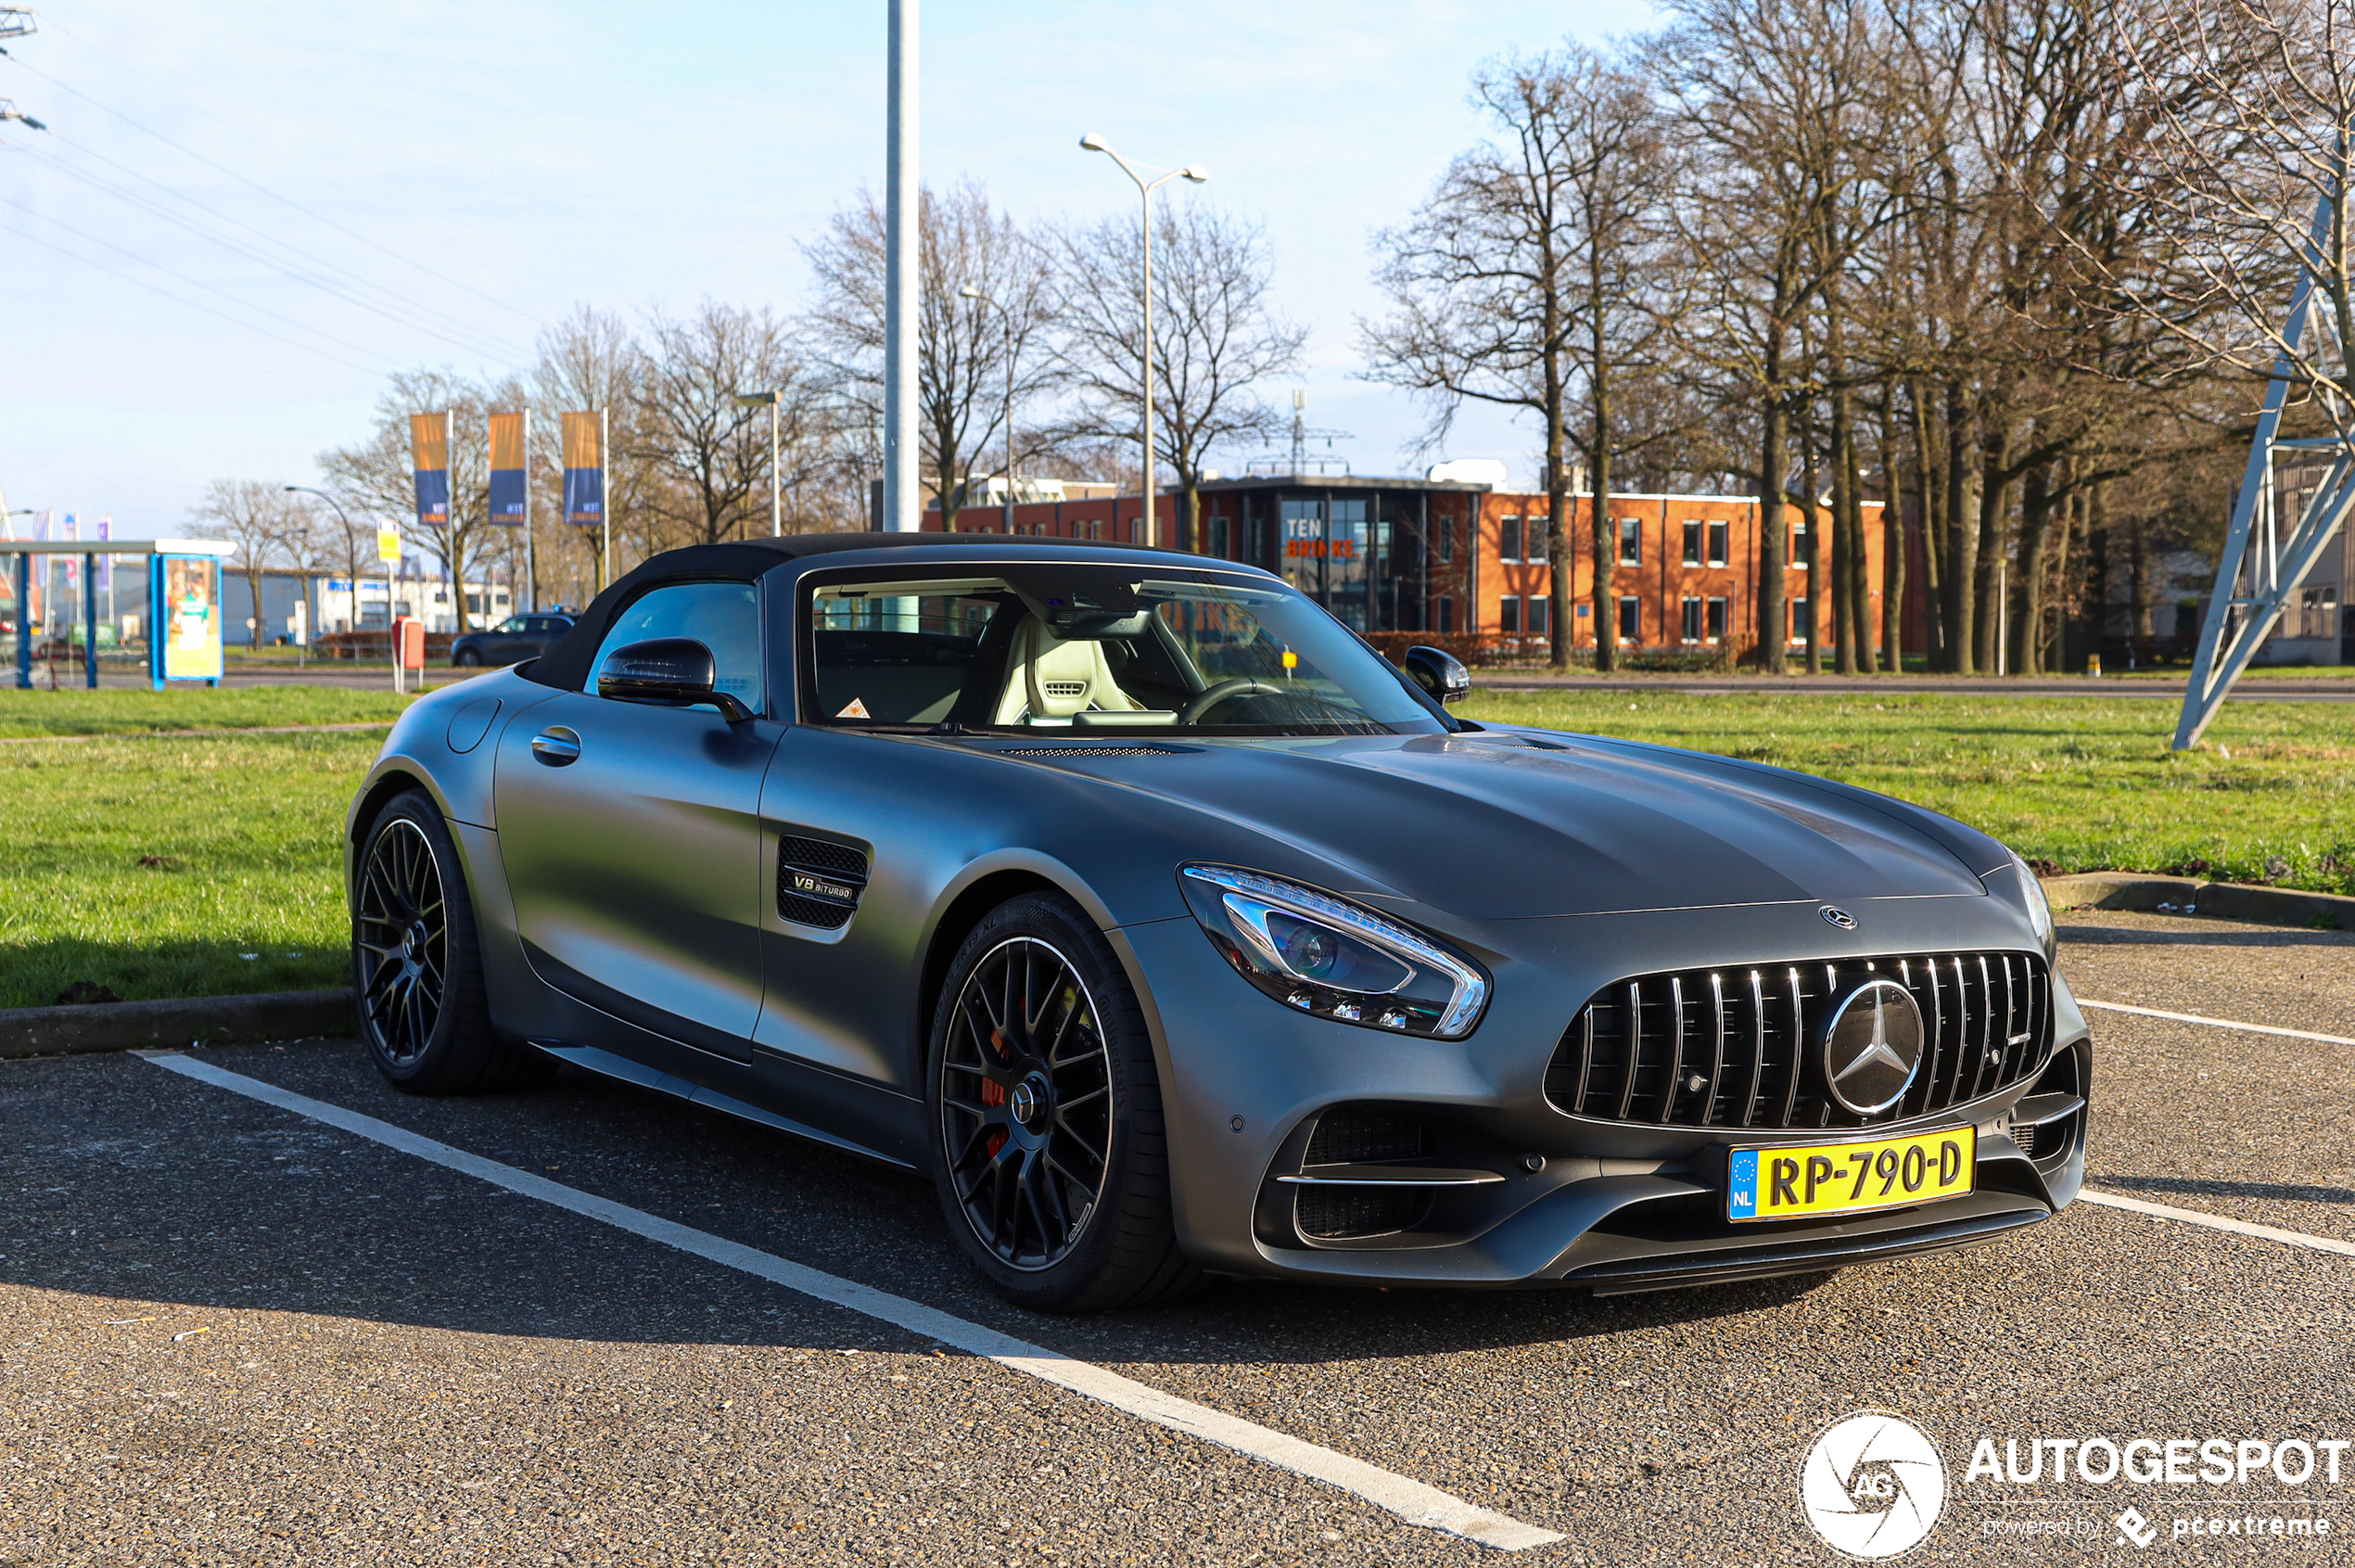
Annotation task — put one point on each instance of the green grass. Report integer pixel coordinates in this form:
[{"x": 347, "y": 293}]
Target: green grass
[
  {"x": 117, "y": 712},
  {"x": 243, "y": 835},
  {"x": 242, "y": 831},
  {"x": 2078, "y": 784}
]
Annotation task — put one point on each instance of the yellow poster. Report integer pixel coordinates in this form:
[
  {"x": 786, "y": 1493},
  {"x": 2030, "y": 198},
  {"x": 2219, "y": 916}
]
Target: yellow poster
[{"x": 192, "y": 620}]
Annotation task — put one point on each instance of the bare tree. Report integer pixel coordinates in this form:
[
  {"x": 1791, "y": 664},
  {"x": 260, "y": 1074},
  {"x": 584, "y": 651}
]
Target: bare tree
[
  {"x": 1216, "y": 336},
  {"x": 966, "y": 349},
  {"x": 377, "y": 473},
  {"x": 592, "y": 360},
  {"x": 712, "y": 451},
  {"x": 268, "y": 525}
]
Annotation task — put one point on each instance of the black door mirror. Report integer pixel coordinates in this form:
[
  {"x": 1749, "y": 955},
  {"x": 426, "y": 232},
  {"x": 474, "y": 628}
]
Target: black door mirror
[
  {"x": 1438, "y": 672},
  {"x": 673, "y": 670}
]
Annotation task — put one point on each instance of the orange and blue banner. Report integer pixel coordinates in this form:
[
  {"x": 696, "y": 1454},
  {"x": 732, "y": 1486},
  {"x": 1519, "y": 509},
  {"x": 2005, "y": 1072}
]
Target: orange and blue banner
[
  {"x": 508, "y": 482},
  {"x": 585, "y": 468},
  {"x": 429, "y": 455}
]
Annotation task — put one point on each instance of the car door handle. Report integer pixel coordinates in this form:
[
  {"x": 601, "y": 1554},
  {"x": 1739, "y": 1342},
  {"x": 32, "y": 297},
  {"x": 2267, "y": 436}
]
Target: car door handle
[{"x": 556, "y": 746}]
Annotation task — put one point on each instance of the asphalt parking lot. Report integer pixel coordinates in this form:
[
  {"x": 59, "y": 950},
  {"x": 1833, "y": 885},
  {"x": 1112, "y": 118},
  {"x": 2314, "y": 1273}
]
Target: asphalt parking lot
[{"x": 234, "y": 1334}]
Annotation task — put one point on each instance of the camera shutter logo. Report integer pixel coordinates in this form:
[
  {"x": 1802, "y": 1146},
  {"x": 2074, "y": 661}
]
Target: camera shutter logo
[{"x": 1873, "y": 1485}]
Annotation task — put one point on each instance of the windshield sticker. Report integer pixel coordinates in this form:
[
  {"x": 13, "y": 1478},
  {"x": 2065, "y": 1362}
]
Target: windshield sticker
[{"x": 857, "y": 710}]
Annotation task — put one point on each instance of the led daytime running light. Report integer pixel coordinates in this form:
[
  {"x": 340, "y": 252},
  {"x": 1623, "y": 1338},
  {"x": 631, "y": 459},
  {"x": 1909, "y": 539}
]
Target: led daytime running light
[{"x": 1250, "y": 897}]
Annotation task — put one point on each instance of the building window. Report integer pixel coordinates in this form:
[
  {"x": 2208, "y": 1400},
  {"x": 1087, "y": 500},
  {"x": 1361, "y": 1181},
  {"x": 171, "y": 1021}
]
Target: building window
[
  {"x": 1509, "y": 539},
  {"x": 1535, "y": 545},
  {"x": 1630, "y": 542},
  {"x": 1446, "y": 607},
  {"x": 1508, "y": 616},
  {"x": 1692, "y": 615},
  {"x": 1719, "y": 618},
  {"x": 1539, "y": 617},
  {"x": 1717, "y": 532},
  {"x": 1631, "y": 619},
  {"x": 1799, "y": 546},
  {"x": 1798, "y": 610},
  {"x": 1692, "y": 542}
]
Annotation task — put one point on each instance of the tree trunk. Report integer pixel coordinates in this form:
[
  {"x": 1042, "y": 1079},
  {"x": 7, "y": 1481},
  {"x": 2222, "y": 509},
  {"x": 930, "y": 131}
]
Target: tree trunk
[
  {"x": 2097, "y": 565},
  {"x": 1994, "y": 579},
  {"x": 1810, "y": 484},
  {"x": 1773, "y": 560},
  {"x": 2027, "y": 620},
  {"x": 1190, "y": 517},
  {"x": 1930, "y": 504},
  {"x": 1962, "y": 540},
  {"x": 1892, "y": 535},
  {"x": 1848, "y": 570}
]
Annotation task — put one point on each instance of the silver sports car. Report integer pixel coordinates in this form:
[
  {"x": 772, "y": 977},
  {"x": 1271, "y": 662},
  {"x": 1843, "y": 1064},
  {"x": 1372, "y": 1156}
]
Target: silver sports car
[{"x": 1169, "y": 930}]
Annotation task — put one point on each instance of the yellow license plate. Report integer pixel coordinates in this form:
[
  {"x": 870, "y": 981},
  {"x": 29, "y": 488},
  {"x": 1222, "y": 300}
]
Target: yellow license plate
[{"x": 1816, "y": 1178}]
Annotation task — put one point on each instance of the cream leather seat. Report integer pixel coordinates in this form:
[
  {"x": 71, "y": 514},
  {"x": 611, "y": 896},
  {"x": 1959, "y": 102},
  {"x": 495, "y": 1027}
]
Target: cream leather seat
[{"x": 1049, "y": 678}]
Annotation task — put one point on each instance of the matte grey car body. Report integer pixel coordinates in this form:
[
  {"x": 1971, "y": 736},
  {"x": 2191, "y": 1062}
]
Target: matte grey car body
[{"x": 634, "y": 902}]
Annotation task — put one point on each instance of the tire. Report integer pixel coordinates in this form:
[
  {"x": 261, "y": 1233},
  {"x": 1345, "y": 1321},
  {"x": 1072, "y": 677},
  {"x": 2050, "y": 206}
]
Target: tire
[
  {"x": 1070, "y": 1076},
  {"x": 465, "y": 658},
  {"x": 417, "y": 979}
]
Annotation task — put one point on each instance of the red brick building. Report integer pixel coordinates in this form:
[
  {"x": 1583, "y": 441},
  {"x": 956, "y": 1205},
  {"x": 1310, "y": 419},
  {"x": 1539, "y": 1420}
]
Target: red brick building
[{"x": 1465, "y": 562}]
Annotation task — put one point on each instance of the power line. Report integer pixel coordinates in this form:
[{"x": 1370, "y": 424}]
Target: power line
[
  {"x": 191, "y": 304},
  {"x": 314, "y": 259},
  {"x": 251, "y": 253},
  {"x": 284, "y": 200}
]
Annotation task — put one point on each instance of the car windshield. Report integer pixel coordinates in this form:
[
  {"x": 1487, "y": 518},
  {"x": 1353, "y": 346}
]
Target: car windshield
[{"x": 1096, "y": 647}]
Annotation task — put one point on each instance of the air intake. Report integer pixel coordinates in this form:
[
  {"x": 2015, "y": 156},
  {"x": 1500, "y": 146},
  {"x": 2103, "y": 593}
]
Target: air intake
[{"x": 818, "y": 883}]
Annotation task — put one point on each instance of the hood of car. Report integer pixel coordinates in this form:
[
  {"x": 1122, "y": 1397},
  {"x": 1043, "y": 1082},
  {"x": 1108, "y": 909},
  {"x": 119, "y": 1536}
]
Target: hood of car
[{"x": 1495, "y": 825}]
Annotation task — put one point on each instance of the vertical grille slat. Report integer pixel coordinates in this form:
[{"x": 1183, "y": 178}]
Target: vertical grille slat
[{"x": 1628, "y": 1053}]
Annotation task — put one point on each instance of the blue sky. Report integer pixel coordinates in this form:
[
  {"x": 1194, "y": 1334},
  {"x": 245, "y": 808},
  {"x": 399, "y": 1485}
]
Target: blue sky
[{"x": 533, "y": 155}]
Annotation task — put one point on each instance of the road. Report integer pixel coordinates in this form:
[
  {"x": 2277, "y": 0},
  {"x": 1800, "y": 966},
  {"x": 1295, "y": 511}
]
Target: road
[{"x": 232, "y": 1332}]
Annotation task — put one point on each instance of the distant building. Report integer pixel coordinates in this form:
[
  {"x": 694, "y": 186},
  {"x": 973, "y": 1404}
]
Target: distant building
[
  {"x": 1452, "y": 556},
  {"x": 301, "y": 606}
]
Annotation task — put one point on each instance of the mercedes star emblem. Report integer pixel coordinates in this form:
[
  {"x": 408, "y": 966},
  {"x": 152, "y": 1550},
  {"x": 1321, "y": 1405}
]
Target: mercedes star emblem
[
  {"x": 1835, "y": 916},
  {"x": 1873, "y": 1047}
]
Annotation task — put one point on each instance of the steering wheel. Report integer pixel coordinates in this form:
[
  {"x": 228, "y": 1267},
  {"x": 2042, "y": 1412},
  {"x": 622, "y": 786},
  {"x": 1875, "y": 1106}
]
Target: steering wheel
[{"x": 1241, "y": 686}]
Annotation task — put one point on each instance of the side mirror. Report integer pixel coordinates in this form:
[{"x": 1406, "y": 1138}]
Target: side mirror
[
  {"x": 1439, "y": 673},
  {"x": 677, "y": 672}
]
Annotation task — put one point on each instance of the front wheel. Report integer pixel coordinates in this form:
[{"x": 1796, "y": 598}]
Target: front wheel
[
  {"x": 466, "y": 658},
  {"x": 416, "y": 971},
  {"x": 1048, "y": 1146}
]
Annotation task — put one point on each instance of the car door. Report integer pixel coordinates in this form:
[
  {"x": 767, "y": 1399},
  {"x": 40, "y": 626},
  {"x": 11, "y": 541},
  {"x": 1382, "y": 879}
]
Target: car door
[{"x": 631, "y": 833}]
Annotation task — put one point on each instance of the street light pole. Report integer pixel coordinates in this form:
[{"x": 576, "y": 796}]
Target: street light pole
[
  {"x": 776, "y": 506},
  {"x": 970, "y": 292},
  {"x": 1196, "y": 174}
]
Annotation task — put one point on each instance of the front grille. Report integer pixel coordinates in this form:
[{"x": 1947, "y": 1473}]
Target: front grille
[
  {"x": 1332, "y": 1214},
  {"x": 1735, "y": 1047},
  {"x": 832, "y": 875}
]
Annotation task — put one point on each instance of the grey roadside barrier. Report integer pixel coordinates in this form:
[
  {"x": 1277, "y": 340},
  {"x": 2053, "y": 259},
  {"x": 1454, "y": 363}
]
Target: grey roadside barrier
[
  {"x": 212, "y": 1020},
  {"x": 2182, "y": 895}
]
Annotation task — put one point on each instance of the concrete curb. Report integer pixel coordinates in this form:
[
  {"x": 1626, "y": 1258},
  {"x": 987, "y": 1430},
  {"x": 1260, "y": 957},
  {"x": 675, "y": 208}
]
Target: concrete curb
[
  {"x": 211, "y": 1020},
  {"x": 2219, "y": 900}
]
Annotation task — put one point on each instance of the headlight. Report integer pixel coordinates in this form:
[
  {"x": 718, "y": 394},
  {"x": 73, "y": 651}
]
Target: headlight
[
  {"x": 1330, "y": 957},
  {"x": 2031, "y": 893}
]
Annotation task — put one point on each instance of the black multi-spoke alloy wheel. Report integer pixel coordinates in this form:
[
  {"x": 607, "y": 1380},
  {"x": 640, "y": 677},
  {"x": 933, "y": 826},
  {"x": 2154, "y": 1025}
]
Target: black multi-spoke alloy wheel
[
  {"x": 416, "y": 971},
  {"x": 1048, "y": 1146}
]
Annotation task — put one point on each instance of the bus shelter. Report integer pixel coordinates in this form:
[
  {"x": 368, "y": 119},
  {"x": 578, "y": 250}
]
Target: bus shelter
[{"x": 184, "y": 603}]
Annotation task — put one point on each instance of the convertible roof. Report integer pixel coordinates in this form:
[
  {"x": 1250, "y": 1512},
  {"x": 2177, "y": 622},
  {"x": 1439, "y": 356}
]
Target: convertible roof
[{"x": 565, "y": 664}]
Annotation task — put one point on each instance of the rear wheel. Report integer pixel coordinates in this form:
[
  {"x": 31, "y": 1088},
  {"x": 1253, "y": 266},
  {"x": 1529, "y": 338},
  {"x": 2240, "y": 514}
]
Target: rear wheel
[
  {"x": 1049, "y": 1151},
  {"x": 417, "y": 973},
  {"x": 466, "y": 658}
]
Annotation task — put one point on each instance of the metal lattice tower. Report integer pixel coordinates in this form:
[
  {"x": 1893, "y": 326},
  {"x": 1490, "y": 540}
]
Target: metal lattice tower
[
  {"x": 16, "y": 21},
  {"x": 2262, "y": 565}
]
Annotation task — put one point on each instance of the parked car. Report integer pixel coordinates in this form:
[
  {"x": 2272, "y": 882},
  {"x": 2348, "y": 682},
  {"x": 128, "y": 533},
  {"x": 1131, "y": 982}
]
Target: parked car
[
  {"x": 513, "y": 641},
  {"x": 1168, "y": 930}
]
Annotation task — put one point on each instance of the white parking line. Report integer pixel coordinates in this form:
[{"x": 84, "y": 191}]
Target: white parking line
[
  {"x": 2216, "y": 1022},
  {"x": 1410, "y": 1500},
  {"x": 2218, "y": 1221}
]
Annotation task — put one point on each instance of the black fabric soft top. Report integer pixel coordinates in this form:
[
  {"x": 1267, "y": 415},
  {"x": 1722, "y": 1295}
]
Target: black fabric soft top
[{"x": 566, "y": 664}]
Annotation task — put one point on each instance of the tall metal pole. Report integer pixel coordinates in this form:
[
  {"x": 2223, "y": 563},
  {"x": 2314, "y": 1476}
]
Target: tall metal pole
[
  {"x": 530, "y": 560},
  {"x": 1150, "y": 534},
  {"x": 776, "y": 502},
  {"x": 1009, "y": 416},
  {"x": 903, "y": 508},
  {"x": 604, "y": 502}
]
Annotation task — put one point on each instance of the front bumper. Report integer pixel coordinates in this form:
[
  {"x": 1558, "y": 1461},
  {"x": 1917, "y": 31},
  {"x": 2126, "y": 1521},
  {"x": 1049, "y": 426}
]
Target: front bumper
[{"x": 1549, "y": 1198}]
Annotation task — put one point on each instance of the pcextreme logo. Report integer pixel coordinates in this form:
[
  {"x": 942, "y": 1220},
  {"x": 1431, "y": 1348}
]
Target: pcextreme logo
[{"x": 1873, "y": 1485}]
